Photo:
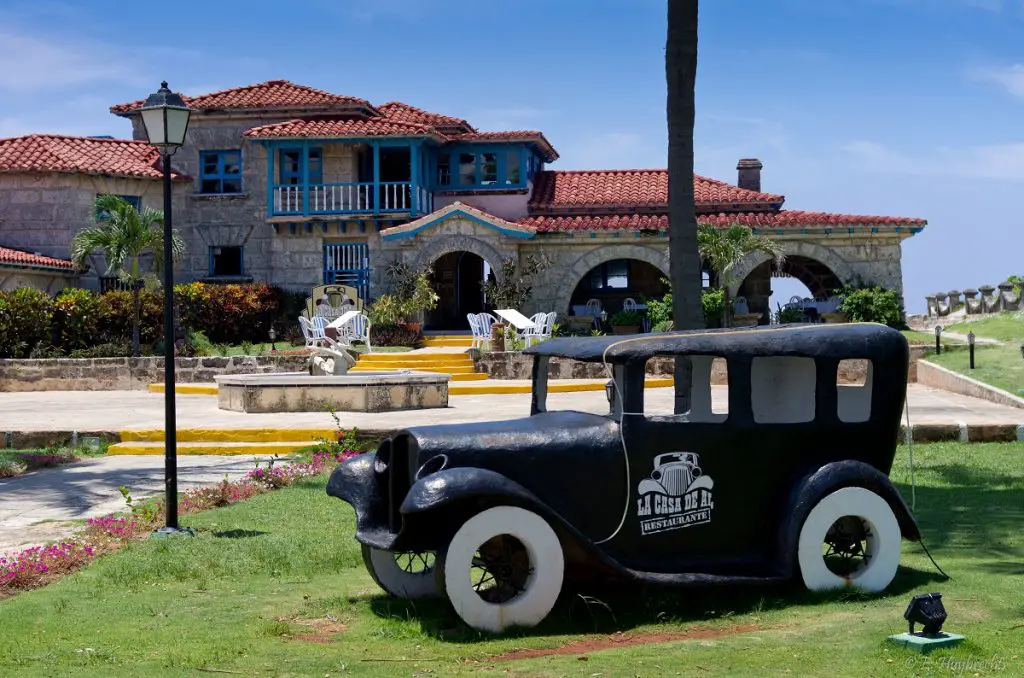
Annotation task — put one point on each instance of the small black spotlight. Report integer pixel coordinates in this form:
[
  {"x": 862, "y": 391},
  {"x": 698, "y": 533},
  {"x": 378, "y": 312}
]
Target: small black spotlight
[{"x": 926, "y": 609}]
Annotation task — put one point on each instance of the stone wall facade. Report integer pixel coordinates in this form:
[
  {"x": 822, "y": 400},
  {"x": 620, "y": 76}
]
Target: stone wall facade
[
  {"x": 50, "y": 282},
  {"x": 122, "y": 374}
]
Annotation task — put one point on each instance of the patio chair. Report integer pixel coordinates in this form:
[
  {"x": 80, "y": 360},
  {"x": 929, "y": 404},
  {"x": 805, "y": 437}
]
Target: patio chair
[
  {"x": 307, "y": 332},
  {"x": 549, "y": 325},
  {"x": 486, "y": 321},
  {"x": 532, "y": 334},
  {"x": 629, "y": 304},
  {"x": 594, "y": 308},
  {"x": 475, "y": 327},
  {"x": 358, "y": 329},
  {"x": 319, "y": 326}
]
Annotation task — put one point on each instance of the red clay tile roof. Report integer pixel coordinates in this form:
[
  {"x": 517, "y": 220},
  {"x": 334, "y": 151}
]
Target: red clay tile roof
[
  {"x": 341, "y": 128},
  {"x": 56, "y": 153},
  {"x": 784, "y": 219},
  {"x": 22, "y": 259},
  {"x": 566, "y": 191},
  {"x": 269, "y": 94},
  {"x": 536, "y": 138},
  {"x": 446, "y": 124}
]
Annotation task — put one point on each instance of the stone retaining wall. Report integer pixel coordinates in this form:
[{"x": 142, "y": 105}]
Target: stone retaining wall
[
  {"x": 520, "y": 366},
  {"x": 125, "y": 374},
  {"x": 939, "y": 377}
]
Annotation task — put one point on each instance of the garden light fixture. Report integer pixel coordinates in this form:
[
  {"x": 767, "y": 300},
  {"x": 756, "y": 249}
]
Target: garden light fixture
[
  {"x": 273, "y": 336},
  {"x": 970, "y": 347},
  {"x": 165, "y": 116},
  {"x": 1022, "y": 351},
  {"x": 927, "y": 610},
  {"x": 938, "y": 339}
]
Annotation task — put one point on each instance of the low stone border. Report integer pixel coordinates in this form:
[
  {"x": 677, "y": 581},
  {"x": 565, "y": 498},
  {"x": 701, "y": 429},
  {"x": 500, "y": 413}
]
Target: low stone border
[
  {"x": 919, "y": 433},
  {"x": 128, "y": 374},
  {"x": 936, "y": 376}
]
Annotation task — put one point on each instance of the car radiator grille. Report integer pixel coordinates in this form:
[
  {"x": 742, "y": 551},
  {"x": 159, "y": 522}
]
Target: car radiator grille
[{"x": 675, "y": 480}]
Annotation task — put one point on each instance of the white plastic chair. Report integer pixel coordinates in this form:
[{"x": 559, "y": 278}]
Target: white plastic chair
[
  {"x": 549, "y": 325},
  {"x": 534, "y": 333},
  {"x": 358, "y": 329},
  {"x": 629, "y": 304},
  {"x": 486, "y": 321},
  {"x": 319, "y": 327},
  {"x": 307, "y": 332},
  {"x": 474, "y": 328},
  {"x": 594, "y": 308}
]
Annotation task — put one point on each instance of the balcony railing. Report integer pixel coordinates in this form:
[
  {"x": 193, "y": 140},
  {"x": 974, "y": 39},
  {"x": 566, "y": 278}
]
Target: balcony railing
[{"x": 350, "y": 198}]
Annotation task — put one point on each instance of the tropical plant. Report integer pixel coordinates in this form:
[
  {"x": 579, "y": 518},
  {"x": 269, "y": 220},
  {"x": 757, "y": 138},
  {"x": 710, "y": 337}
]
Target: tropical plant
[
  {"x": 626, "y": 319},
  {"x": 516, "y": 284},
  {"x": 872, "y": 305},
  {"x": 722, "y": 249},
  {"x": 124, "y": 235},
  {"x": 684, "y": 259},
  {"x": 386, "y": 311},
  {"x": 789, "y": 315}
]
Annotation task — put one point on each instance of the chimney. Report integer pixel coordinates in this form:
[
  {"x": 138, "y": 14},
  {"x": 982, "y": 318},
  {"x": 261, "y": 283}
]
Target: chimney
[{"x": 749, "y": 174}]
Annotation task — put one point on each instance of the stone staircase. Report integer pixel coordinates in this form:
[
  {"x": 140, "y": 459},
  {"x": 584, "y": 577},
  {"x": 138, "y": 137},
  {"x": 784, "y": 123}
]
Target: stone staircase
[{"x": 455, "y": 362}]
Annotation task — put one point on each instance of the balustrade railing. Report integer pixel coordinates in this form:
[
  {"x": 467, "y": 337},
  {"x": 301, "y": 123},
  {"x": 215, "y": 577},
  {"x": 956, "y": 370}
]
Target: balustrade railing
[
  {"x": 1006, "y": 296},
  {"x": 350, "y": 197}
]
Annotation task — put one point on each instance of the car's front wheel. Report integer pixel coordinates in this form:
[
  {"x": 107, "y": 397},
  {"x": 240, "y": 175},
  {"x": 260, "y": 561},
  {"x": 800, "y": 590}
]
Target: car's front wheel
[
  {"x": 403, "y": 575},
  {"x": 850, "y": 539},
  {"x": 503, "y": 568}
]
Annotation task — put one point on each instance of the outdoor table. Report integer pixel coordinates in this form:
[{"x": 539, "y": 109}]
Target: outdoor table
[
  {"x": 333, "y": 329},
  {"x": 515, "y": 319}
]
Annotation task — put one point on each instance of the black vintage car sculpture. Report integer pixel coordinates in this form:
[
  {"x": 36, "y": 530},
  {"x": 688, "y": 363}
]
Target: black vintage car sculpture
[{"x": 791, "y": 481}]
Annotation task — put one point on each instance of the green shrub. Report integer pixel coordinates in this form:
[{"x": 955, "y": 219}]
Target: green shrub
[
  {"x": 114, "y": 311},
  {"x": 120, "y": 350},
  {"x": 229, "y": 313},
  {"x": 712, "y": 303},
  {"x": 663, "y": 326},
  {"x": 26, "y": 317},
  {"x": 76, "y": 319},
  {"x": 392, "y": 335},
  {"x": 872, "y": 305},
  {"x": 387, "y": 311},
  {"x": 626, "y": 319},
  {"x": 790, "y": 315}
]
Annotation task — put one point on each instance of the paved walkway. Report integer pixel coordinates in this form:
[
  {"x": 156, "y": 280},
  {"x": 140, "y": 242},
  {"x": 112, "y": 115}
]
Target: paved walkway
[
  {"x": 118, "y": 410},
  {"x": 37, "y": 507}
]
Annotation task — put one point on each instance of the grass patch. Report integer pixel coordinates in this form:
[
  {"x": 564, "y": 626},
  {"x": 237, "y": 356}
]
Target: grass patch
[
  {"x": 916, "y": 338},
  {"x": 1005, "y": 326},
  {"x": 1001, "y": 366},
  {"x": 17, "y": 462},
  {"x": 276, "y": 586}
]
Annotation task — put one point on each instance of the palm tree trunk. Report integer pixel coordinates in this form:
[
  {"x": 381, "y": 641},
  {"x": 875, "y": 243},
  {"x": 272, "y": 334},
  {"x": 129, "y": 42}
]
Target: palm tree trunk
[
  {"x": 685, "y": 264},
  {"x": 725, "y": 305},
  {"x": 136, "y": 318}
]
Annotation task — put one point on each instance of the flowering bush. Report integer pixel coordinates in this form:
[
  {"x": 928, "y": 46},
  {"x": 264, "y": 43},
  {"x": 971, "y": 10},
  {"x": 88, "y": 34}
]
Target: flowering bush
[
  {"x": 228, "y": 313},
  {"x": 26, "y": 315},
  {"x": 35, "y": 566}
]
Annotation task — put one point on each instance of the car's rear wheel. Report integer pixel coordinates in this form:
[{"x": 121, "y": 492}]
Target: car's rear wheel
[
  {"x": 402, "y": 574},
  {"x": 503, "y": 568},
  {"x": 850, "y": 539}
]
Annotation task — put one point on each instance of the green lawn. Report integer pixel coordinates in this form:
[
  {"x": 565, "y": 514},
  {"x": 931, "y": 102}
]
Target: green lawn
[
  {"x": 1001, "y": 366},
  {"x": 17, "y": 462},
  {"x": 275, "y": 586},
  {"x": 1007, "y": 326},
  {"x": 916, "y": 338}
]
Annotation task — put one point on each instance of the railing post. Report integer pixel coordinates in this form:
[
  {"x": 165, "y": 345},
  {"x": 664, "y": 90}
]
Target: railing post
[
  {"x": 304, "y": 161},
  {"x": 270, "y": 177},
  {"x": 414, "y": 166},
  {"x": 376, "y": 177}
]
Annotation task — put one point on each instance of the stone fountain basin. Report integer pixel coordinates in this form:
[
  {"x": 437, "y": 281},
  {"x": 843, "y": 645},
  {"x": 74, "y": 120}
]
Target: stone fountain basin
[{"x": 357, "y": 392}]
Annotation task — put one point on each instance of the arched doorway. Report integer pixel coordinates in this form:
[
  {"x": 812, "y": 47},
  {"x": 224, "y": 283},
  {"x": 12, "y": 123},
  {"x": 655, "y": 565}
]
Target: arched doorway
[
  {"x": 612, "y": 282},
  {"x": 457, "y": 278},
  {"x": 768, "y": 286}
]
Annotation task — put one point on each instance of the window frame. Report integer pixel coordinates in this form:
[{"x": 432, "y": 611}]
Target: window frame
[
  {"x": 220, "y": 176},
  {"x": 446, "y": 167},
  {"x": 316, "y": 176},
  {"x": 604, "y": 271},
  {"x": 213, "y": 257}
]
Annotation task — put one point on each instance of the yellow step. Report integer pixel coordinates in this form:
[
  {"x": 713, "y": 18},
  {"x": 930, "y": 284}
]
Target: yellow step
[
  {"x": 414, "y": 357},
  {"x": 451, "y": 368},
  {"x": 227, "y": 435},
  {"x": 186, "y": 389},
  {"x": 237, "y": 448},
  {"x": 453, "y": 342},
  {"x": 501, "y": 387}
]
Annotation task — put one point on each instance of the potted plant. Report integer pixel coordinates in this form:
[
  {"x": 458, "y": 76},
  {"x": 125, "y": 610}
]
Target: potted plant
[
  {"x": 412, "y": 294},
  {"x": 626, "y": 322}
]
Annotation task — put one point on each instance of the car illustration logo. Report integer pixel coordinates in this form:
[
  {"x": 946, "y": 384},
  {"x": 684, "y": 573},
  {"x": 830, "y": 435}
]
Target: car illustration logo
[{"x": 676, "y": 495}]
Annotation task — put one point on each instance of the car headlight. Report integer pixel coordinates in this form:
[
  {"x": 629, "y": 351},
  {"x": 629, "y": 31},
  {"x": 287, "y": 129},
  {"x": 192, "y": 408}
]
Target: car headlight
[{"x": 432, "y": 465}]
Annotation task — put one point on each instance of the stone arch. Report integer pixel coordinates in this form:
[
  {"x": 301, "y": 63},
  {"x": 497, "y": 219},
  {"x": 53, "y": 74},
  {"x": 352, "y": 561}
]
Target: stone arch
[
  {"x": 796, "y": 248},
  {"x": 438, "y": 247},
  {"x": 595, "y": 257}
]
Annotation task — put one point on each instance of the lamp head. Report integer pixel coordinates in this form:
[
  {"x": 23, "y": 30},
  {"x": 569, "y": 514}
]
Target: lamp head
[
  {"x": 938, "y": 330},
  {"x": 165, "y": 116},
  {"x": 926, "y": 609},
  {"x": 970, "y": 338}
]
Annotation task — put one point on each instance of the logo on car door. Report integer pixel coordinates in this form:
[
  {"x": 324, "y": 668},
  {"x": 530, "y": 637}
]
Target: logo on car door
[{"x": 677, "y": 494}]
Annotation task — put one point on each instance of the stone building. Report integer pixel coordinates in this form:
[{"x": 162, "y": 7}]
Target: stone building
[{"x": 298, "y": 186}]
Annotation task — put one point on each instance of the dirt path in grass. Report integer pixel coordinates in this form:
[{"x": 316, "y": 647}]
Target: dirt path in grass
[{"x": 622, "y": 640}]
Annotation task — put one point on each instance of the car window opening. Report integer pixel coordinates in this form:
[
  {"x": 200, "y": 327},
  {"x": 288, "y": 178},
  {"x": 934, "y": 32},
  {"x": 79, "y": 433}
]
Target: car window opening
[
  {"x": 709, "y": 396},
  {"x": 782, "y": 389},
  {"x": 855, "y": 382}
]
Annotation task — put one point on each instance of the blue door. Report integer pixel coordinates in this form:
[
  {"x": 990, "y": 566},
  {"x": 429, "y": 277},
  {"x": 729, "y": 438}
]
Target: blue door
[{"x": 347, "y": 264}]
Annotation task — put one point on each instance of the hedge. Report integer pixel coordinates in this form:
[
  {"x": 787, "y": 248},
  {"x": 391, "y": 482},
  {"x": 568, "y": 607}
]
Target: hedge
[{"x": 32, "y": 322}]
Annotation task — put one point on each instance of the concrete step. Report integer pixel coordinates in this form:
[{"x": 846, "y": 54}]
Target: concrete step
[
  {"x": 422, "y": 365},
  {"x": 459, "y": 342},
  {"x": 427, "y": 356},
  {"x": 226, "y": 448},
  {"x": 186, "y": 389}
]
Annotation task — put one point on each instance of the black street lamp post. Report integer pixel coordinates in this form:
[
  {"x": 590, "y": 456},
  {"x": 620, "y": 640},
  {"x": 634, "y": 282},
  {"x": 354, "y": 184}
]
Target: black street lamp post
[
  {"x": 165, "y": 116},
  {"x": 970, "y": 347}
]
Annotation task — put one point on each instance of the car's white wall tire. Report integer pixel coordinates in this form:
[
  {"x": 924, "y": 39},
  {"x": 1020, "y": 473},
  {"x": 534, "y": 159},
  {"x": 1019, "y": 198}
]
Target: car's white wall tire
[
  {"x": 390, "y": 576},
  {"x": 883, "y": 542},
  {"x": 542, "y": 587}
]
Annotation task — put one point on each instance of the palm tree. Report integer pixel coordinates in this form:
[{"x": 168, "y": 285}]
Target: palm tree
[
  {"x": 124, "y": 234},
  {"x": 684, "y": 259},
  {"x": 723, "y": 248}
]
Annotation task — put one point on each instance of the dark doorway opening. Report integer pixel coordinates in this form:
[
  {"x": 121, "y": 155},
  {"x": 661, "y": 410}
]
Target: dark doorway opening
[{"x": 457, "y": 279}]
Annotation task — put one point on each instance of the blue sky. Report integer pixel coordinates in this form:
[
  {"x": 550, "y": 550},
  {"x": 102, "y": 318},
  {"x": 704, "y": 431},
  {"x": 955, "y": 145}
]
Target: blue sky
[{"x": 897, "y": 107}]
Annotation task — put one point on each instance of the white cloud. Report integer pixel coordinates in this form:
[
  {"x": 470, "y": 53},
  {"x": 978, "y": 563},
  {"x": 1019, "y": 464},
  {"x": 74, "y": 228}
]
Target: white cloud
[
  {"x": 30, "y": 63},
  {"x": 992, "y": 161},
  {"x": 1010, "y": 78}
]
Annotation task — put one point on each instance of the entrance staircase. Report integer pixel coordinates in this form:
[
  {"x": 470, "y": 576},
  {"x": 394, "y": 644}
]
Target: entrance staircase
[{"x": 445, "y": 354}]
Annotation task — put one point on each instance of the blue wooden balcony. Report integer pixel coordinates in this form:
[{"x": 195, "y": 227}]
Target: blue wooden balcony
[{"x": 355, "y": 197}]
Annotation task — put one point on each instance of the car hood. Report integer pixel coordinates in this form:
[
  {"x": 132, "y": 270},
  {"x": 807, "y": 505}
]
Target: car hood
[{"x": 515, "y": 442}]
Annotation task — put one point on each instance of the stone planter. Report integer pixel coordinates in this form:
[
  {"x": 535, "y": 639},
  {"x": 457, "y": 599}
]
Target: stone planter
[
  {"x": 836, "y": 317},
  {"x": 745, "y": 319},
  {"x": 625, "y": 329},
  {"x": 579, "y": 323},
  {"x": 498, "y": 337}
]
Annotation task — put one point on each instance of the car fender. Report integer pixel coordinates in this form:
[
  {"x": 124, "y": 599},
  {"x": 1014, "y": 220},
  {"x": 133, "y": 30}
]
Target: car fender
[
  {"x": 813, "y": 486},
  {"x": 451, "y": 485},
  {"x": 354, "y": 482}
]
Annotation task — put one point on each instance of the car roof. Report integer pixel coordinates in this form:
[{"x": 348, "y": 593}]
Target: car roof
[{"x": 841, "y": 340}]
